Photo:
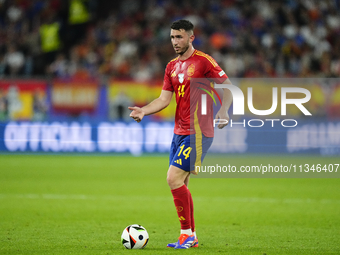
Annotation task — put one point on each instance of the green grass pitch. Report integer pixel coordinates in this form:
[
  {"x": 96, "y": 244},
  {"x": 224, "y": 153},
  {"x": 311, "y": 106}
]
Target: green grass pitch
[{"x": 80, "y": 204}]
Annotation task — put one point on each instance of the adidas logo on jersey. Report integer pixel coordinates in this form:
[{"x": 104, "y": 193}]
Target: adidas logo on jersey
[{"x": 178, "y": 161}]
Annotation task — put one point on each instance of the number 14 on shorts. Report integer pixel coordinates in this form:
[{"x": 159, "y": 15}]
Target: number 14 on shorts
[{"x": 185, "y": 152}]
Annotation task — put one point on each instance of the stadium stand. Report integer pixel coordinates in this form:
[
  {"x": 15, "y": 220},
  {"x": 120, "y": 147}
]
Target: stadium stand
[{"x": 130, "y": 39}]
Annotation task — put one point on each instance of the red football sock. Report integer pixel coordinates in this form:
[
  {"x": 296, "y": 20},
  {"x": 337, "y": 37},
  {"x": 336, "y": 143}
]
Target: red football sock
[
  {"x": 181, "y": 200},
  {"x": 191, "y": 202}
]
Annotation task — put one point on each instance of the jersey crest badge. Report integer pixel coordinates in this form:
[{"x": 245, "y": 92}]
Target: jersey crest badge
[
  {"x": 191, "y": 70},
  {"x": 181, "y": 77}
]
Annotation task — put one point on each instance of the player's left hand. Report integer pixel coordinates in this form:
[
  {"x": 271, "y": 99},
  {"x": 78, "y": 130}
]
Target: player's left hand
[
  {"x": 222, "y": 115},
  {"x": 137, "y": 113}
]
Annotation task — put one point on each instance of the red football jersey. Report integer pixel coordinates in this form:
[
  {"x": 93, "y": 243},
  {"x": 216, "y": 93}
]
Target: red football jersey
[{"x": 177, "y": 78}]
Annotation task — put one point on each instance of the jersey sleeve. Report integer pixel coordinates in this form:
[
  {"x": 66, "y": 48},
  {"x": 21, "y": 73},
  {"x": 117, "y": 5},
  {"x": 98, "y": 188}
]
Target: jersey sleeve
[
  {"x": 214, "y": 71},
  {"x": 167, "y": 85}
]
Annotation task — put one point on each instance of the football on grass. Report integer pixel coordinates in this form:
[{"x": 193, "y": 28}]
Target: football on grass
[{"x": 135, "y": 237}]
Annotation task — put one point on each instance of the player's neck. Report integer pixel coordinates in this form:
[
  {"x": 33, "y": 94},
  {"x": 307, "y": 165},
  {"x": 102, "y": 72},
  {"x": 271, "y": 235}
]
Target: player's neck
[{"x": 187, "y": 54}]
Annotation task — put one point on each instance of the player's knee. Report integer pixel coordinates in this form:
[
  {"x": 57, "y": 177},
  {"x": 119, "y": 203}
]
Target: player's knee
[
  {"x": 169, "y": 180},
  {"x": 173, "y": 182}
]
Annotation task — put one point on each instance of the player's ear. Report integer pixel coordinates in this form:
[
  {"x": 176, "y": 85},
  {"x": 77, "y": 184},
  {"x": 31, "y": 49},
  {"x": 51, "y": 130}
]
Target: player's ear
[{"x": 192, "y": 38}]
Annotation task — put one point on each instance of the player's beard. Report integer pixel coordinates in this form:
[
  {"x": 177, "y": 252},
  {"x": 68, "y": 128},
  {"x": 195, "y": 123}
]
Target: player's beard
[{"x": 186, "y": 47}]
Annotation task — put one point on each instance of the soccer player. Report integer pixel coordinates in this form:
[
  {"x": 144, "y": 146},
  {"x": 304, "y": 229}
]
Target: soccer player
[{"x": 193, "y": 132}]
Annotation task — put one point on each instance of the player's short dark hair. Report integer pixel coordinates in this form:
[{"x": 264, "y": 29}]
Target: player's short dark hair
[{"x": 183, "y": 24}]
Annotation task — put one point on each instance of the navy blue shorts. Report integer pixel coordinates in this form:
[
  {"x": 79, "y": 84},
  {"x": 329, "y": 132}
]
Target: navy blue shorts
[{"x": 188, "y": 151}]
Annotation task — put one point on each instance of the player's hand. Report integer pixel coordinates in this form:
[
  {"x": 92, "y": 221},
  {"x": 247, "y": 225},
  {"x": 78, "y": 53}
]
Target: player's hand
[
  {"x": 224, "y": 117},
  {"x": 137, "y": 113}
]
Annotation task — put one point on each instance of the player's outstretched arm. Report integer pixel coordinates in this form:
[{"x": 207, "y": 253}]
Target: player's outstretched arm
[
  {"x": 226, "y": 102},
  {"x": 155, "y": 106}
]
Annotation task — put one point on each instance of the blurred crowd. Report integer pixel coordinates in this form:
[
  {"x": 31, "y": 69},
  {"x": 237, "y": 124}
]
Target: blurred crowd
[{"x": 131, "y": 39}]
